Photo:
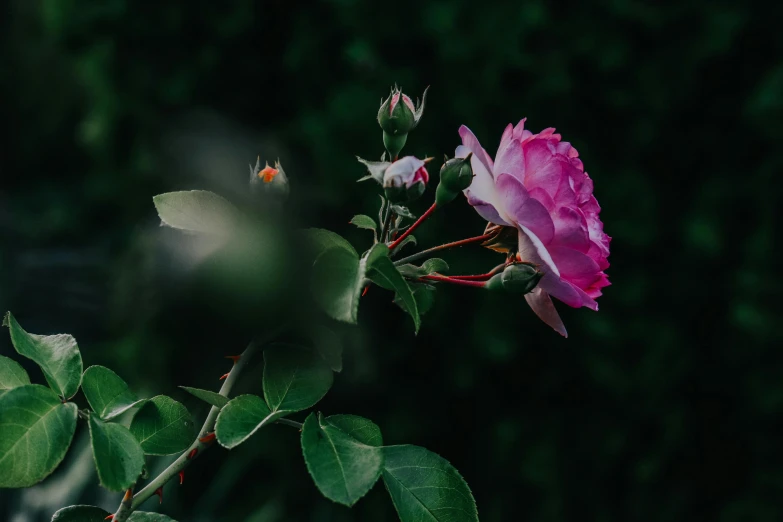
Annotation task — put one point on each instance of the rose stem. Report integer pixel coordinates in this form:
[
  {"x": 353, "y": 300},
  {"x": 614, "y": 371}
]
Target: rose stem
[
  {"x": 461, "y": 282},
  {"x": 185, "y": 459},
  {"x": 425, "y": 253},
  {"x": 411, "y": 228},
  {"x": 480, "y": 277}
]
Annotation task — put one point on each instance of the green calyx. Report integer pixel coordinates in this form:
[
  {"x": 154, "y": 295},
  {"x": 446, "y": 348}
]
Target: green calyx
[
  {"x": 455, "y": 176},
  {"x": 394, "y": 143},
  {"x": 403, "y": 194},
  {"x": 519, "y": 278}
]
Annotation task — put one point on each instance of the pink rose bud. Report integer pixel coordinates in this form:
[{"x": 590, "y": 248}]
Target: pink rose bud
[
  {"x": 397, "y": 117},
  {"x": 405, "y": 179}
]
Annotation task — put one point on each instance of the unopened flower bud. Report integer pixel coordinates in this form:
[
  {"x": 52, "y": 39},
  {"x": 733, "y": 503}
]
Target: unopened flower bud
[
  {"x": 405, "y": 179},
  {"x": 398, "y": 116},
  {"x": 519, "y": 278},
  {"x": 269, "y": 181},
  {"x": 455, "y": 176}
]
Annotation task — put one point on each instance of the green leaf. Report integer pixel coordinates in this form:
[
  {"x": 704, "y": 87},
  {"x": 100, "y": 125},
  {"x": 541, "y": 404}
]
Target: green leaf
[
  {"x": 80, "y": 514},
  {"x": 343, "y": 455},
  {"x": 108, "y": 395},
  {"x": 328, "y": 344},
  {"x": 381, "y": 271},
  {"x": 295, "y": 378},
  {"x": 408, "y": 239},
  {"x": 163, "y": 426},
  {"x": 118, "y": 456},
  {"x": 36, "y": 429},
  {"x": 430, "y": 266},
  {"x": 425, "y": 487},
  {"x": 321, "y": 240},
  {"x": 95, "y": 514},
  {"x": 424, "y": 295},
  {"x": 57, "y": 355},
  {"x": 338, "y": 279},
  {"x": 144, "y": 516},
  {"x": 197, "y": 211},
  {"x": 12, "y": 375},
  {"x": 366, "y": 222},
  {"x": 210, "y": 397},
  {"x": 241, "y": 418},
  {"x": 402, "y": 211}
]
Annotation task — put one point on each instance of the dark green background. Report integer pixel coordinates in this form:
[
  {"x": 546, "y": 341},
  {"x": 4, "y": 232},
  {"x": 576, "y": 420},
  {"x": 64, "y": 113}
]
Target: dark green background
[{"x": 667, "y": 405}]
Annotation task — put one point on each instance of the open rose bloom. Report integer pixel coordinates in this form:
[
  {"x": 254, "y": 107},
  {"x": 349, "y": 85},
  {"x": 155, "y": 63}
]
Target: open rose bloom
[{"x": 537, "y": 185}]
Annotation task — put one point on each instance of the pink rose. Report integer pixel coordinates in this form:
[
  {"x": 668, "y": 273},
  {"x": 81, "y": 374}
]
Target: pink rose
[{"x": 538, "y": 185}]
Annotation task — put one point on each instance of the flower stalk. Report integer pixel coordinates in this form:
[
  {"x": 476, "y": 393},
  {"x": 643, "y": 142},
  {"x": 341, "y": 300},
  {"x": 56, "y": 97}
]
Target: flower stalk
[
  {"x": 413, "y": 227},
  {"x": 429, "y": 251},
  {"x": 459, "y": 282},
  {"x": 196, "y": 449}
]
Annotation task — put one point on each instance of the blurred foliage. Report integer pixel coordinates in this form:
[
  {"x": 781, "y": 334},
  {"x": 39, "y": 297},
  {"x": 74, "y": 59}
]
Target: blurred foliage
[{"x": 666, "y": 405}]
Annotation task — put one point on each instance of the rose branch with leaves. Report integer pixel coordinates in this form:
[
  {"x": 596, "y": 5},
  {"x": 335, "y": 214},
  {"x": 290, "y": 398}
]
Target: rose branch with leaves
[{"x": 542, "y": 219}]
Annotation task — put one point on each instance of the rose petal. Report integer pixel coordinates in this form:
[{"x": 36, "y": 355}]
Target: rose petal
[
  {"x": 571, "y": 229},
  {"x": 543, "y": 307},
  {"x": 486, "y": 210},
  {"x": 471, "y": 142},
  {"x": 510, "y": 157},
  {"x": 523, "y": 209}
]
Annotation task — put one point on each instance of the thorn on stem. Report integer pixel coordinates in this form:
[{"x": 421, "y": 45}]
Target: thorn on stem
[
  {"x": 128, "y": 495},
  {"x": 223, "y": 376},
  {"x": 206, "y": 439},
  {"x": 192, "y": 453},
  {"x": 159, "y": 492},
  {"x": 181, "y": 477},
  {"x": 110, "y": 517},
  {"x": 234, "y": 358},
  {"x": 364, "y": 292}
]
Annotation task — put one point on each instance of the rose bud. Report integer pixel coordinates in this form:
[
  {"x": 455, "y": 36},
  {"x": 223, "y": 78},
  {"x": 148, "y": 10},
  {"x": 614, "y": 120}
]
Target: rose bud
[
  {"x": 455, "y": 176},
  {"x": 405, "y": 179},
  {"x": 398, "y": 116},
  {"x": 519, "y": 278},
  {"x": 269, "y": 181}
]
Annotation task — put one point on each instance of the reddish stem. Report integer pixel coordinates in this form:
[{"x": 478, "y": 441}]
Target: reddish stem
[
  {"x": 425, "y": 253},
  {"x": 480, "y": 277},
  {"x": 461, "y": 282},
  {"x": 410, "y": 229}
]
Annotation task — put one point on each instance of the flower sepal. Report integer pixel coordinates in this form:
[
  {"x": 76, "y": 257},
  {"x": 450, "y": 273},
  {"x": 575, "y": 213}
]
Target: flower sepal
[
  {"x": 456, "y": 175},
  {"x": 517, "y": 278}
]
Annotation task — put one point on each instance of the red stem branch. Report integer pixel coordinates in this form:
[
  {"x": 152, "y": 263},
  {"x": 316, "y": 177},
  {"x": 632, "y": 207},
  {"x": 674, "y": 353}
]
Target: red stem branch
[
  {"x": 425, "y": 253},
  {"x": 413, "y": 227},
  {"x": 461, "y": 282}
]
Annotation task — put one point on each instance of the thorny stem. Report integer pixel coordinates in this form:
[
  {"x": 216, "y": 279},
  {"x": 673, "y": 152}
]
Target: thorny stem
[
  {"x": 461, "y": 282},
  {"x": 188, "y": 456},
  {"x": 411, "y": 228},
  {"x": 425, "y": 253},
  {"x": 125, "y": 508}
]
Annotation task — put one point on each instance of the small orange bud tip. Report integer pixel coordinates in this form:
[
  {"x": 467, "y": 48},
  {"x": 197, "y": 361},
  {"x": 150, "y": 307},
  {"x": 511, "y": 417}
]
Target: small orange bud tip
[
  {"x": 223, "y": 376},
  {"x": 181, "y": 477},
  {"x": 267, "y": 174},
  {"x": 192, "y": 453},
  {"x": 159, "y": 492},
  {"x": 209, "y": 437}
]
